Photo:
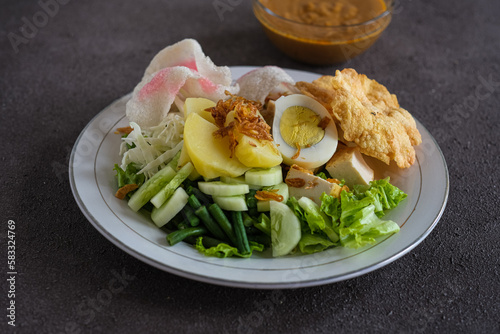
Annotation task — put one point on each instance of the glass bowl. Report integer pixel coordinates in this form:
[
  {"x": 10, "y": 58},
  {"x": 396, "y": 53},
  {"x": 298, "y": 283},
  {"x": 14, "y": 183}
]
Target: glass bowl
[{"x": 321, "y": 44}]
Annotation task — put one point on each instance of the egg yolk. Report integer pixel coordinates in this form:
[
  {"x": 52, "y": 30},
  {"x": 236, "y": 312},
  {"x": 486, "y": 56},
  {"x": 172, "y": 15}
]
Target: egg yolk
[{"x": 299, "y": 127}]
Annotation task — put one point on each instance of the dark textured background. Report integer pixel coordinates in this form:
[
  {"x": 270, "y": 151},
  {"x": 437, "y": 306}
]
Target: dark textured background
[{"x": 433, "y": 57}]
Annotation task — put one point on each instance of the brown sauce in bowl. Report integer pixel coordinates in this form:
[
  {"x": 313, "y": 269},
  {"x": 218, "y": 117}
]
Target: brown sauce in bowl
[
  {"x": 327, "y": 12},
  {"x": 322, "y": 31}
]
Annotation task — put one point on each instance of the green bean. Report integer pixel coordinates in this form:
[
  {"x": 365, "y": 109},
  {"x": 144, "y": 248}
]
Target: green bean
[
  {"x": 209, "y": 223},
  {"x": 252, "y": 230},
  {"x": 207, "y": 241},
  {"x": 179, "y": 235},
  {"x": 203, "y": 198},
  {"x": 183, "y": 225},
  {"x": 224, "y": 223},
  {"x": 247, "y": 220},
  {"x": 241, "y": 235},
  {"x": 210, "y": 242},
  {"x": 191, "y": 239},
  {"x": 194, "y": 202},
  {"x": 260, "y": 239},
  {"x": 189, "y": 215},
  {"x": 189, "y": 187},
  {"x": 148, "y": 207},
  {"x": 173, "y": 224},
  {"x": 188, "y": 183},
  {"x": 251, "y": 202}
]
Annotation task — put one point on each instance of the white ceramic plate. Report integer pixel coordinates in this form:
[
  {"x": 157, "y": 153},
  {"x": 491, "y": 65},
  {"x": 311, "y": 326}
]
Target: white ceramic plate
[{"x": 93, "y": 184}]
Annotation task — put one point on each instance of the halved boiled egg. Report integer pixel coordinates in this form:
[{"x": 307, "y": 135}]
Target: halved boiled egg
[{"x": 304, "y": 131}]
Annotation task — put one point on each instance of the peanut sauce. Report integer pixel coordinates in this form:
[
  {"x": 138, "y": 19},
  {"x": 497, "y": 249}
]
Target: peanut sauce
[{"x": 323, "y": 31}]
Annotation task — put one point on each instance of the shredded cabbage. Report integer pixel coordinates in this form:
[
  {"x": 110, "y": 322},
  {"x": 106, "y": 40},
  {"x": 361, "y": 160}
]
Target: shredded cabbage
[{"x": 151, "y": 149}]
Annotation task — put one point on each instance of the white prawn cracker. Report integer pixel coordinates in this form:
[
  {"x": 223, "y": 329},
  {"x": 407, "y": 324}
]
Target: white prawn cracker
[
  {"x": 257, "y": 84},
  {"x": 177, "y": 72}
]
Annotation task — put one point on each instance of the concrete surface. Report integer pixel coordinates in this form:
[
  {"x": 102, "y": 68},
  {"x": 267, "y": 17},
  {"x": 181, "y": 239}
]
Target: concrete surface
[{"x": 434, "y": 56}]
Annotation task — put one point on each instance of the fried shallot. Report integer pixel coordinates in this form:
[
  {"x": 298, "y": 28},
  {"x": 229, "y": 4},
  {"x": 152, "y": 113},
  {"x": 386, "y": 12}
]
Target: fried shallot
[
  {"x": 268, "y": 195},
  {"x": 247, "y": 120}
]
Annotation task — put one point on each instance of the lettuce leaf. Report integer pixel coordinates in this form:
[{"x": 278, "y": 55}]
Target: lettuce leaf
[
  {"x": 313, "y": 243},
  {"x": 330, "y": 206},
  {"x": 355, "y": 217},
  {"x": 316, "y": 219},
  {"x": 383, "y": 194},
  {"x": 293, "y": 204},
  {"x": 223, "y": 250},
  {"x": 361, "y": 210},
  {"x": 264, "y": 224},
  {"x": 351, "y": 206},
  {"x": 128, "y": 176},
  {"x": 312, "y": 214},
  {"x": 322, "y": 175},
  {"x": 365, "y": 228}
]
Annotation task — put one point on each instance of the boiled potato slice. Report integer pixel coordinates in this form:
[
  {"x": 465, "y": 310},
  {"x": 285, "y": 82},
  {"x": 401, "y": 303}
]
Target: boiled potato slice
[
  {"x": 198, "y": 105},
  {"x": 184, "y": 158},
  {"x": 255, "y": 153},
  {"x": 252, "y": 152},
  {"x": 210, "y": 155}
]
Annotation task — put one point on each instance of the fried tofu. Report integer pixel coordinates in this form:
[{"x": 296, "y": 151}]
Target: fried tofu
[
  {"x": 303, "y": 183},
  {"x": 368, "y": 115},
  {"x": 347, "y": 163}
]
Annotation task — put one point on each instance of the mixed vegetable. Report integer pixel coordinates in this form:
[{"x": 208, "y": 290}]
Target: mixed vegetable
[
  {"x": 234, "y": 167},
  {"x": 236, "y": 216}
]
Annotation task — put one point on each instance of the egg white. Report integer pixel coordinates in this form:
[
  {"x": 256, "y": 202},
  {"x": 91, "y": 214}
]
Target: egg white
[{"x": 315, "y": 155}]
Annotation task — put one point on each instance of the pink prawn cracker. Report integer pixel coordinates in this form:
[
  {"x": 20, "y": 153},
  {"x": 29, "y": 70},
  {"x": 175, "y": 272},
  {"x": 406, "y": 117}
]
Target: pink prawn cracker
[{"x": 177, "y": 72}]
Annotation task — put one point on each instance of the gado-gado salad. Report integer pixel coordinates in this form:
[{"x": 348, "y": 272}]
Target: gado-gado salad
[{"x": 237, "y": 167}]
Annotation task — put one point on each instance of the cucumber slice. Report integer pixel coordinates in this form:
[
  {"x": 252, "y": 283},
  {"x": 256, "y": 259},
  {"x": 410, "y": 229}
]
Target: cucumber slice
[
  {"x": 238, "y": 180},
  {"x": 170, "y": 208},
  {"x": 167, "y": 191},
  {"x": 150, "y": 188},
  {"x": 233, "y": 180},
  {"x": 175, "y": 160},
  {"x": 285, "y": 229},
  {"x": 263, "y": 206},
  {"x": 264, "y": 176},
  {"x": 218, "y": 188},
  {"x": 231, "y": 203}
]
